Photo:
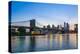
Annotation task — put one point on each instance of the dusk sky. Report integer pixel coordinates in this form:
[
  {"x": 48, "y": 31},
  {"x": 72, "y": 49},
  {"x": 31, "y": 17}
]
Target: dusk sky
[{"x": 44, "y": 13}]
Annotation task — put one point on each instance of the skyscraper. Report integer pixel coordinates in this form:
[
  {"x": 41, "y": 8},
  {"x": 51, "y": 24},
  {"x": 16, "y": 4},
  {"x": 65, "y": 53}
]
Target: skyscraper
[
  {"x": 66, "y": 27},
  {"x": 76, "y": 28}
]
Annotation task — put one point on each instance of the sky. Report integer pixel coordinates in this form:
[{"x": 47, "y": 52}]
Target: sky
[{"x": 44, "y": 13}]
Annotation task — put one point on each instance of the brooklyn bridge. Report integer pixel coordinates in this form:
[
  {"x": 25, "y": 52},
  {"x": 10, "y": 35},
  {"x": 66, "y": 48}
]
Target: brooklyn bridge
[{"x": 32, "y": 27}]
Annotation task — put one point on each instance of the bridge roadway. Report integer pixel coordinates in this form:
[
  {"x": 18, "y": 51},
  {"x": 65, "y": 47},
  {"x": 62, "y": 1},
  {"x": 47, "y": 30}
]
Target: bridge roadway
[{"x": 35, "y": 28}]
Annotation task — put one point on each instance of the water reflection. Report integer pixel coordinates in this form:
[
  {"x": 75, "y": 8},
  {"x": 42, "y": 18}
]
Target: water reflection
[
  {"x": 21, "y": 43},
  {"x": 65, "y": 39},
  {"x": 43, "y": 42},
  {"x": 32, "y": 44}
]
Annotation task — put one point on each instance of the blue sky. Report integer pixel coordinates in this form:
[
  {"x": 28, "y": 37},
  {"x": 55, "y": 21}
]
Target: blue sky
[{"x": 44, "y": 13}]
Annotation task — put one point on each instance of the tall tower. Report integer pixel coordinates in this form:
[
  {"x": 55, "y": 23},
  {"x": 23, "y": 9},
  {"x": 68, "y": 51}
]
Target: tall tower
[
  {"x": 76, "y": 28},
  {"x": 66, "y": 27}
]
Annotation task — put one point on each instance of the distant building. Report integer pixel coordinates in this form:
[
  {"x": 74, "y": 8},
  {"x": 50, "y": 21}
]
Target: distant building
[
  {"x": 53, "y": 27},
  {"x": 76, "y": 27},
  {"x": 59, "y": 27},
  {"x": 44, "y": 26},
  {"x": 48, "y": 26}
]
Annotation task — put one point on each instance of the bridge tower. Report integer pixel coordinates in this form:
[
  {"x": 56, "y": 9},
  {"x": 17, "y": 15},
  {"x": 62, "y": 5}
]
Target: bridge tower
[{"x": 32, "y": 25}]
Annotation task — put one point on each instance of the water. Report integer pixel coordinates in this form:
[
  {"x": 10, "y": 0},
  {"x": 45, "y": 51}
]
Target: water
[{"x": 43, "y": 42}]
